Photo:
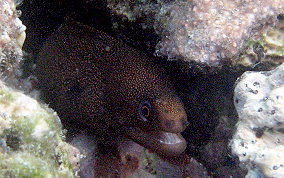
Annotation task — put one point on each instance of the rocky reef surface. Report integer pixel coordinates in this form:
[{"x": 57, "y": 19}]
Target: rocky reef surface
[
  {"x": 183, "y": 29},
  {"x": 210, "y": 33},
  {"x": 258, "y": 141},
  {"x": 129, "y": 159},
  {"x": 31, "y": 139},
  {"x": 264, "y": 49},
  {"x": 31, "y": 135},
  {"x": 12, "y": 37}
]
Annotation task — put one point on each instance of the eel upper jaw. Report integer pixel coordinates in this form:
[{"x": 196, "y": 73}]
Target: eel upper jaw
[{"x": 161, "y": 142}]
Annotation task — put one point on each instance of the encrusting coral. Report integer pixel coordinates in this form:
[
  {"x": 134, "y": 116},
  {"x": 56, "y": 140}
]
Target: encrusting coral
[
  {"x": 12, "y": 37},
  {"x": 265, "y": 49},
  {"x": 31, "y": 139},
  {"x": 258, "y": 140},
  {"x": 206, "y": 32},
  {"x": 211, "y": 32},
  {"x": 31, "y": 136}
]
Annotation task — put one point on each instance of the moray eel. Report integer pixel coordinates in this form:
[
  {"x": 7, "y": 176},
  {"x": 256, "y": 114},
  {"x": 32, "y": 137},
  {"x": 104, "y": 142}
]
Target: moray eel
[{"x": 89, "y": 76}]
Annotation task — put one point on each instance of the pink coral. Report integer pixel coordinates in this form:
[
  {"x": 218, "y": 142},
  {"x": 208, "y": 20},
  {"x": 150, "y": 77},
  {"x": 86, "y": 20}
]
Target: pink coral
[{"x": 212, "y": 31}]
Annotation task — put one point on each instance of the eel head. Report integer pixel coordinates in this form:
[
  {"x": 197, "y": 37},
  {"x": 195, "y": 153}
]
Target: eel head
[{"x": 159, "y": 124}]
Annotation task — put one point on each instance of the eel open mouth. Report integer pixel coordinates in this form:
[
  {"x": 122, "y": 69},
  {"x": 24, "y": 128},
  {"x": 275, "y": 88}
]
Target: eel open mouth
[{"x": 161, "y": 142}]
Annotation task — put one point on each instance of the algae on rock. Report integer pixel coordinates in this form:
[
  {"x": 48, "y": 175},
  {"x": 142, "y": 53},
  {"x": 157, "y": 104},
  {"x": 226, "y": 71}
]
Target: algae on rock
[
  {"x": 265, "y": 49},
  {"x": 31, "y": 139}
]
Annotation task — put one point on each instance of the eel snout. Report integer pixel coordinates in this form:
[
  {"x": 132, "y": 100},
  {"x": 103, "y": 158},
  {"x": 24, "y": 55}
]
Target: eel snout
[
  {"x": 164, "y": 119},
  {"x": 164, "y": 143},
  {"x": 170, "y": 114}
]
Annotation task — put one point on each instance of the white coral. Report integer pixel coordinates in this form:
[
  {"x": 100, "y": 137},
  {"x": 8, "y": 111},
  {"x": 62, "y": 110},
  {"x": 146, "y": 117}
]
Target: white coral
[{"x": 259, "y": 138}]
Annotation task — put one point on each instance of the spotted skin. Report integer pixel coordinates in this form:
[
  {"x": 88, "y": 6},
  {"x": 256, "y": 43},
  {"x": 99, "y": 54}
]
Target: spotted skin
[{"x": 90, "y": 77}]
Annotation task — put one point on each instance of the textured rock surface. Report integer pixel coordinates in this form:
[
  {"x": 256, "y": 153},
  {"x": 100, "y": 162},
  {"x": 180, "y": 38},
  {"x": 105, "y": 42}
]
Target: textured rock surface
[
  {"x": 87, "y": 145},
  {"x": 209, "y": 31},
  {"x": 134, "y": 10},
  {"x": 31, "y": 139},
  {"x": 183, "y": 166},
  {"x": 131, "y": 160},
  {"x": 265, "y": 50},
  {"x": 12, "y": 37},
  {"x": 259, "y": 138},
  {"x": 215, "y": 156},
  {"x": 206, "y": 32}
]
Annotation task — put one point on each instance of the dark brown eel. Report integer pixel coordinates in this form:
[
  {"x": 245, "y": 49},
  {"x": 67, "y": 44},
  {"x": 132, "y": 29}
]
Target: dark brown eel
[{"x": 88, "y": 75}]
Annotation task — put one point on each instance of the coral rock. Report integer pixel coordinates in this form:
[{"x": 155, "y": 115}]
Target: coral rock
[
  {"x": 211, "y": 31},
  {"x": 31, "y": 139},
  {"x": 258, "y": 141},
  {"x": 265, "y": 50},
  {"x": 12, "y": 37},
  {"x": 205, "y": 32}
]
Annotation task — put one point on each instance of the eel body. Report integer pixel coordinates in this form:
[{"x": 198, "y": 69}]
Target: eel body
[{"x": 89, "y": 76}]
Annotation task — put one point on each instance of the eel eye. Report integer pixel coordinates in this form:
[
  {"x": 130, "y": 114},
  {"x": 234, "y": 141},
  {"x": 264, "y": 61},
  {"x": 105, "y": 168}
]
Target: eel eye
[{"x": 145, "y": 110}]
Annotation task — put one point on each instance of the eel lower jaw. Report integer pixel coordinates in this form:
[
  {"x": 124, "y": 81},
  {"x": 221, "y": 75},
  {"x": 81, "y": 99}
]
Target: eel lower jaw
[{"x": 161, "y": 142}]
